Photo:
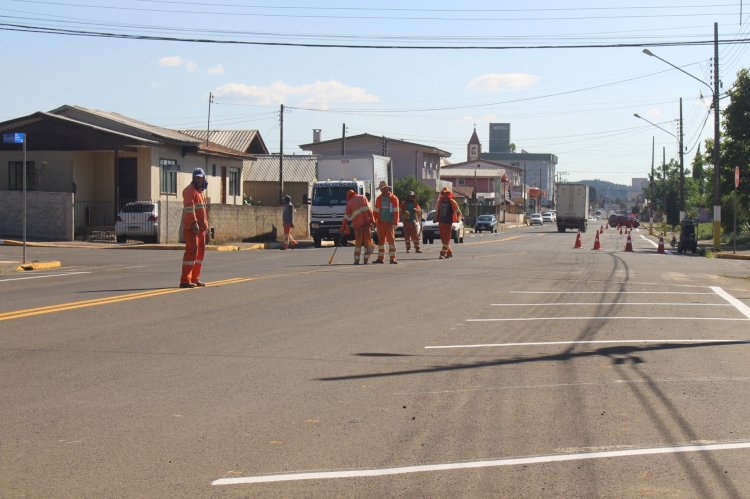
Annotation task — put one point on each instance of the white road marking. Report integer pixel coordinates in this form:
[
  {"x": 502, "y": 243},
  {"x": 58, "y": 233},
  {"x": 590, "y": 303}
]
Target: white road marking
[
  {"x": 584, "y": 342},
  {"x": 741, "y": 307},
  {"x": 41, "y": 276},
  {"x": 735, "y": 379},
  {"x": 608, "y": 318},
  {"x": 554, "y": 458},
  {"x": 609, "y": 303},
  {"x": 612, "y": 292},
  {"x": 656, "y": 245}
]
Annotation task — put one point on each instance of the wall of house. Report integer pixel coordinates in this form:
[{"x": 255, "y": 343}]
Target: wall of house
[
  {"x": 267, "y": 193},
  {"x": 94, "y": 175},
  {"x": 54, "y": 170},
  {"x": 236, "y": 223},
  {"x": 49, "y": 215}
]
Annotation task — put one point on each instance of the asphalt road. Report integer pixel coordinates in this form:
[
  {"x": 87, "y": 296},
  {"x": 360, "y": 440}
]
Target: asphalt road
[{"x": 519, "y": 368}]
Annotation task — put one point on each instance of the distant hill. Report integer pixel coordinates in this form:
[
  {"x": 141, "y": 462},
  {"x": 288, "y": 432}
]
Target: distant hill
[{"x": 608, "y": 190}]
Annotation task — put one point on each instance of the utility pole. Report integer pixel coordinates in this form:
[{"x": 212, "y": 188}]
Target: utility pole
[
  {"x": 664, "y": 172},
  {"x": 716, "y": 159},
  {"x": 343, "y": 139},
  {"x": 281, "y": 154},
  {"x": 208, "y": 126},
  {"x": 682, "y": 169},
  {"x": 651, "y": 197}
]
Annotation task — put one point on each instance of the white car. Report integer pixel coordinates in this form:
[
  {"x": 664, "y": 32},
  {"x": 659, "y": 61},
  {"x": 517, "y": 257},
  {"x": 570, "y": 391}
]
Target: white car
[
  {"x": 536, "y": 219},
  {"x": 138, "y": 220},
  {"x": 548, "y": 217},
  {"x": 430, "y": 230}
]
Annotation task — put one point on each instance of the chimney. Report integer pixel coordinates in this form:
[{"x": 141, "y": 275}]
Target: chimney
[{"x": 316, "y": 135}]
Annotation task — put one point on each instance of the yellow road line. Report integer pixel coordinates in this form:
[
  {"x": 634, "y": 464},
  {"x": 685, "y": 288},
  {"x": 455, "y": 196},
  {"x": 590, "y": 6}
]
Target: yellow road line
[{"x": 49, "y": 309}]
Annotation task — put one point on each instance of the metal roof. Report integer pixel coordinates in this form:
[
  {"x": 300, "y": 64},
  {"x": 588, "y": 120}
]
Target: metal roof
[
  {"x": 368, "y": 136},
  {"x": 265, "y": 168},
  {"x": 123, "y": 124},
  {"x": 239, "y": 140},
  {"x": 471, "y": 172}
]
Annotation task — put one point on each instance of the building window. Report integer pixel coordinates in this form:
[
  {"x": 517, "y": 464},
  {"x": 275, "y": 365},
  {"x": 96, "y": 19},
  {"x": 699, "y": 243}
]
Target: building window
[
  {"x": 15, "y": 176},
  {"x": 461, "y": 181},
  {"x": 234, "y": 181},
  {"x": 168, "y": 176}
]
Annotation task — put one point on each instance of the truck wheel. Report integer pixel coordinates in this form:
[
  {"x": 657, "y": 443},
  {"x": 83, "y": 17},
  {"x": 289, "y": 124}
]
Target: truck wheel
[
  {"x": 374, "y": 238},
  {"x": 432, "y": 240},
  {"x": 560, "y": 228},
  {"x": 317, "y": 241},
  {"x": 424, "y": 239},
  {"x": 120, "y": 239}
]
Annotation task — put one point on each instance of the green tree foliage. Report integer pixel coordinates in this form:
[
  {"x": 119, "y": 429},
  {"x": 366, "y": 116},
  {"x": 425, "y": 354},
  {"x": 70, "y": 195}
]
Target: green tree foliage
[
  {"x": 425, "y": 194},
  {"x": 735, "y": 151}
]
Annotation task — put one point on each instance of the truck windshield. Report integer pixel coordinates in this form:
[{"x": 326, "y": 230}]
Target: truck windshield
[{"x": 330, "y": 196}]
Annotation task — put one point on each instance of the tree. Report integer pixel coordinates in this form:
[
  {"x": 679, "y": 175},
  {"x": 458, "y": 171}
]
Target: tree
[
  {"x": 423, "y": 192},
  {"x": 735, "y": 151}
]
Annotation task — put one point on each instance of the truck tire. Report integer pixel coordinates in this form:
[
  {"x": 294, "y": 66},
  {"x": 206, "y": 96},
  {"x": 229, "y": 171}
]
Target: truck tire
[
  {"x": 455, "y": 236},
  {"x": 560, "y": 228},
  {"x": 317, "y": 242},
  {"x": 424, "y": 239}
]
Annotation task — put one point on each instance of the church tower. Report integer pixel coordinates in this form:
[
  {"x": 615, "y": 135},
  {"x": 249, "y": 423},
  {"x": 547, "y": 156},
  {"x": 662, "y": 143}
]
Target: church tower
[{"x": 474, "y": 148}]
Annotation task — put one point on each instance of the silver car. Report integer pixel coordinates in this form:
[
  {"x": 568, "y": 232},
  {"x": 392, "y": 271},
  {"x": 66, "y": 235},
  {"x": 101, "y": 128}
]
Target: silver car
[
  {"x": 536, "y": 219},
  {"x": 138, "y": 220}
]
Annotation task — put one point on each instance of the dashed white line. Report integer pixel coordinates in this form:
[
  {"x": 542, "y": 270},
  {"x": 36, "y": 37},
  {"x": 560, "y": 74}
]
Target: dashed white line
[
  {"x": 609, "y": 303},
  {"x": 605, "y": 317},
  {"x": 554, "y": 458},
  {"x": 587, "y": 342},
  {"x": 41, "y": 276}
]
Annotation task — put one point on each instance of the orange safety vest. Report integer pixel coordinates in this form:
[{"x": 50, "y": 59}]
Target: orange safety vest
[
  {"x": 456, "y": 212},
  {"x": 394, "y": 207},
  {"x": 194, "y": 208},
  {"x": 358, "y": 211}
]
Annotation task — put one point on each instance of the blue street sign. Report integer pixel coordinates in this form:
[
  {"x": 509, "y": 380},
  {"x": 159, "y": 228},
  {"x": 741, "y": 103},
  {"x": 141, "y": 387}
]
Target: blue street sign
[{"x": 14, "y": 138}]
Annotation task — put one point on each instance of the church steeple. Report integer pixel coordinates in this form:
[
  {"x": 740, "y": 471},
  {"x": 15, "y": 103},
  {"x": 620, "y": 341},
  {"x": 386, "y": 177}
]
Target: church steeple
[{"x": 474, "y": 148}]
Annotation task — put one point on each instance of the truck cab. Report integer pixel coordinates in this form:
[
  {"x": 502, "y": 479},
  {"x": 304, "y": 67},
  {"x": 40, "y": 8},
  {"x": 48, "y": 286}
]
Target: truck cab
[{"x": 328, "y": 208}]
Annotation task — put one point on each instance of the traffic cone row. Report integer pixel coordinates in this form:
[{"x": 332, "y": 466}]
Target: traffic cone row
[
  {"x": 578, "y": 240},
  {"x": 597, "y": 245},
  {"x": 660, "y": 249},
  {"x": 629, "y": 244}
]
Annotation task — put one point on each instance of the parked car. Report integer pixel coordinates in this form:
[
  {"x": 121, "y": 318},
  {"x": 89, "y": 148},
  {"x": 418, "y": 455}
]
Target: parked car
[
  {"x": 430, "y": 230},
  {"x": 623, "y": 220},
  {"x": 548, "y": 217},
  {"x": 138, "y": 220},
  {"x": 486, "y": 222},
  {"x": 536, "y": 219}
]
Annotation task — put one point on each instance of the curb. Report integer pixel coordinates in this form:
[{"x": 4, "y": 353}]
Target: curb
[
  {"x": 39, "y": 265},
  {"x": 732, "y": 256}
]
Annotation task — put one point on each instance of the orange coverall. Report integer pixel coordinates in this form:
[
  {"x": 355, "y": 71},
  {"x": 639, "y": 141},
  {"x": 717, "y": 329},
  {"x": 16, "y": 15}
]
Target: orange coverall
[
  {"x": 386, "y": 228},
  {"x": 193, "y": 211},
  {"x": 358, "y": 212},
  {"x": 444, "y": 227}
]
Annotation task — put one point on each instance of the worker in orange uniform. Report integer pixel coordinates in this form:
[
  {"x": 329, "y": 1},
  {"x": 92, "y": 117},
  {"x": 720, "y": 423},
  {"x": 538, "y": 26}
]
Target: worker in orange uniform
[
  {"x": 359, "y": 214},
  {"x": 194, "y": 227},
  {"x": 446, "y": 212},
  {"x": 386, "y": 218},
  {"x": 412, "y": 217}
]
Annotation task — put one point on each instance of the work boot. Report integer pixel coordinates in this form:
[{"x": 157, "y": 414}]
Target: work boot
[
  {"x": 356, "y": 262},
  {"x": 199, "y": 284},
  {"x": 187, "y": 285},
  {"x": 417, "y": 250},
  {"x": 378, "y": 261},
  {"x": 394, "y": 262}
]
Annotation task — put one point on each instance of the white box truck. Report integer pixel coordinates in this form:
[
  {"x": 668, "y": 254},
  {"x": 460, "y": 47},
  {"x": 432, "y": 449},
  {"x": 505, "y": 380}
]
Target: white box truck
[
  {"x": 336, "y": 175},
  {"x": 572, "y": 206}
]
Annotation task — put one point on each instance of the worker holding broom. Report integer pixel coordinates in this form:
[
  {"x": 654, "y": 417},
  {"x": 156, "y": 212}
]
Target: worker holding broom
[{"x": 359, "y": 214}]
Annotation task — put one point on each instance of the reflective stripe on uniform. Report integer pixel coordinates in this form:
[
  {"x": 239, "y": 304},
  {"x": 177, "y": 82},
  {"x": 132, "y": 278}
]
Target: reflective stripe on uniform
[
  {"x": 359, "y": 211},
  {"x": 189, "y": 209}
]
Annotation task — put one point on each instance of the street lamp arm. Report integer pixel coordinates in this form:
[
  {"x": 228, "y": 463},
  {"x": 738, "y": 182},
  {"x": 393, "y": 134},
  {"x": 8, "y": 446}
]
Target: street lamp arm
[
  {"x": 657, "y": 126},
  {"x": 649, "y": 53}
]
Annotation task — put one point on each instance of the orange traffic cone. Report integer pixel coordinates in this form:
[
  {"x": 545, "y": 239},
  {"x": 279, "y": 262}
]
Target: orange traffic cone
[
  {"x": 661, "y": 244},
  {"x": 629, "y": 244},
  {"x": 620, "y": 227},
  {"x": 596, "y": 242},
  {"x": 578, "y": 240}
]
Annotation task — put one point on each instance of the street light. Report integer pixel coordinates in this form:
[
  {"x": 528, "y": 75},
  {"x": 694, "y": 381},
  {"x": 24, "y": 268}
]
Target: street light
[
  {"x": 682, "y": 158},
  {"x": 716, "y": 151},
  {"x": 476, "y": 197},
  {"x": 504, "y": 180}
]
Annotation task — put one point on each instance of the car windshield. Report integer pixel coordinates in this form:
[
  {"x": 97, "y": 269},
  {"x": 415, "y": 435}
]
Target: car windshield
[
  {"x": 330, "y": 196},
  {"x": 430, "y": 215},
  {"x": 485, "y": 218},
  {"x": 138, "y": 208}
]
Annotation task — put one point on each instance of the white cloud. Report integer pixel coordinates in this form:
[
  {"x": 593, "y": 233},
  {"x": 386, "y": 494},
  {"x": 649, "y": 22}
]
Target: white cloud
[
  {"x": 171, "y": 62},
  {"x": 478, "y": 120},
  {"x": 216, "y": 70},
  {"x": 319, "y": 93},
  {"x": 176, "y": 61},
  {"x": 654, "y": 114},
  {"x": 495, "y": 82}
]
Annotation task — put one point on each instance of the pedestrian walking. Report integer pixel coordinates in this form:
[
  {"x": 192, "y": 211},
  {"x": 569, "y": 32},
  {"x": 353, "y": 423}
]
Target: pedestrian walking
[
  {"x": 386, "y": 217},
  {"x": 446, "y": 212},
  {"x": 359, "y": 214},
  {"x": 287, "y": 218},
  {"x": 194, "y": 228},
  {"x": 412, "y": 217}
]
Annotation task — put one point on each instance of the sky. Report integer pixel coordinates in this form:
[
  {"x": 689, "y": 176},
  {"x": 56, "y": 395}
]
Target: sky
[{"x": 567, "y": 76}]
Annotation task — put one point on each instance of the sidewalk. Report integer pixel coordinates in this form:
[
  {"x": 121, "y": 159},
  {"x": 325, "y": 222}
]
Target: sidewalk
[{"x": 17, "y": 265}]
